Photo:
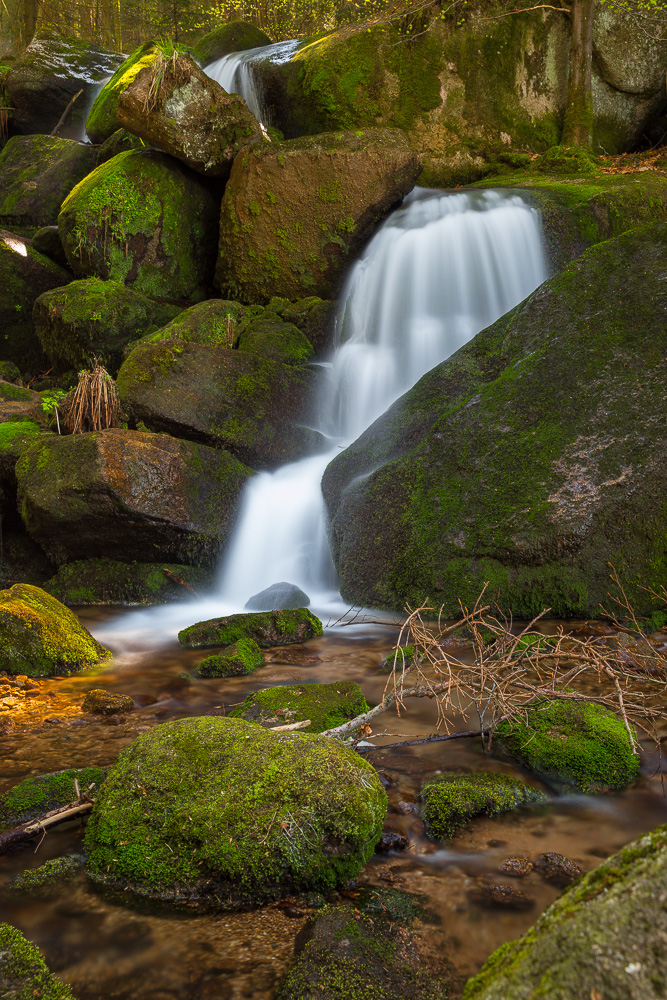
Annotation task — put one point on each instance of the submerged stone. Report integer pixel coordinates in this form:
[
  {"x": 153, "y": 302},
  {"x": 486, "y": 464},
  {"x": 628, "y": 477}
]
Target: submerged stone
[
  {"x": 278, "y": 596},
  {"x": 451, "y": 800},
  {"x": 557, "y": 868},
  {"x": 33, "y": 797},
  {"x": 23, "y": 972},
  {"x": 218, "y": 811},
  {"x": 271, "y": 628},
  {"x": 47, "y": 878},
  {"x": 326, "y": 705},
  {"x": 242, "y": 657}
]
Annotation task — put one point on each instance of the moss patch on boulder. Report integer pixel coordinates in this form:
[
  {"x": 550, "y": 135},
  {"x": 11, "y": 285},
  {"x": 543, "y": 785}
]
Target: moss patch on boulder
[
  {"x": 242, "y": 657},
  {"x": 33, "y": 797},
  {"x": 107, "y": 581},
  {"x": 326, "y": 705},
  {"x": 23, "y": 972},
  {"x": 229, "y": 812},
  {"x": 235, "y": 36},
  {"x": 267, "y": 628},
  {"x": 47, "y": 878},
  {"x": 452, "y": 800},
  {"x": 121, "y": 141},
  {"x": 102, "y": 122},
  {"x": 570, "y": 744}
]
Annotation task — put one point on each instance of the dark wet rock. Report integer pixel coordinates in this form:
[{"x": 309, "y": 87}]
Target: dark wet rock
[
  {"x": 495, "y": 894},
  {"x": 451, "y": 800},
  {"x": 37, "y": 172},
  {"x": 235, "y": 36},
  {"x": 516, "y": 867},
  {"x": 561, "y": 510},
  {"x": 47, "y": 878},
  {"x": 33, "y": 797},
  {"x": 23, "y": 561},
  {"x": 277, "y": 597},
  {"x": 143, "y": 219},
  {"x": 392, "y": 840},
  {"x": 92, "y": 318},
  {"x": 40, "y": 637},
  {"x": 294, "y": 213},
  {"x": 636, "y": 654},
  {"x": 242, "y": 657},
  {"x": 250, "y": 793},
  {"x": 173, "y": 105},
  {"x": 325, "y": 705},
  {"x": 270, "y": 628},
  {"x": 557, "y": 868},
  {"x": 603, "y": 936},
  {"x": 570, "y": 744},
  {"x": 119, "y": 494},
  {"x": 102, "y": 702},
  {"x": 90, "y": 582},
  {"x": 47, "y": 242},
  {"x": 23, "y": 972},
  {"x": 121, "y": 141}
]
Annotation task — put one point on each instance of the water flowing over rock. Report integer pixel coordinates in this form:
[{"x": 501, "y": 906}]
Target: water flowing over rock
[
  {"x": 37, "y": 173},
  {"x": 235, "y": 36},
  {"x": 240, "y": 73}
]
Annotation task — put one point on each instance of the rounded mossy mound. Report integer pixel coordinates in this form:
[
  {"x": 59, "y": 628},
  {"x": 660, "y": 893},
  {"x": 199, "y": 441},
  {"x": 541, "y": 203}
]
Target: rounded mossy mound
[
  {"x": 106, "y": 581},
  {"x": 235, "y": 36},
  {"x": 451, "y": 800},
  {"x": 23, "y": 972},
  {"x": 47, "y": 878},
  {"x": 33, "y": 797},
  {"x": 121, "y": 141},
  {"x": 267, "y": 628},
  {"x": 145, "y": 220},
  {"x": 570, "y": 744},
  {"x": 325, "y": 705},
  {"x": 241, "y": 658},
  {"x": 219, "y": 811},
  {"x": 40, "y": 637},
  {"x": 603, "y": 937},
  {"x": 270, "y": 337},
  {"x": 101, "y": 122}
]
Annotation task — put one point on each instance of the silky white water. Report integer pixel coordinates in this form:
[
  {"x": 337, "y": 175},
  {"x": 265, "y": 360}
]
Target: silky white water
[
  {"x": 235, "y": 73},
  {"x": 441, "y": 268}
]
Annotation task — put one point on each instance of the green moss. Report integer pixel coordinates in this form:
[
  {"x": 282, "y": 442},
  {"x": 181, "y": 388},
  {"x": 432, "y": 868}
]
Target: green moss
[
  {"x": 38, "y": 881},
  {"x": 451, "y": 800},
  {"x": 34, "y": 797},
  {"x": 267, "y": 628},
  {"x": 24, "y": 973},
  {"x": 326, "y": 705},
  {"x": 235, "y": 36},
  {"x": 242, "y": 657},
  {"x": 577, "y": 744},
  {"x": 102, "y": 122},
  {"x": 106, "y": 581},
  {"x": 566, "y": 160},
  {"x": 14, "y": 394},
  {"x": 223, "y": 810},
  {"x": 270, "y": 337},
  {"x": 399, "y": 658},
  {"x": 9, "y": 371},
  {"x": 14, "y": 431}
]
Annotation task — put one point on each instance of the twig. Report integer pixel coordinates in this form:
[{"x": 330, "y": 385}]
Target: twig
[
  {"x": 175, "y": 578},
  {"x": 291, "y": 727},
  {"x": 22, "y": 834},
  {"x": 65, "y": 113}
]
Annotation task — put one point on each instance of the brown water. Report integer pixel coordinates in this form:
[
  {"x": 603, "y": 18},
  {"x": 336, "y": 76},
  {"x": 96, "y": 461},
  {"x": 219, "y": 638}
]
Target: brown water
[{"x": 109, "y": 951}]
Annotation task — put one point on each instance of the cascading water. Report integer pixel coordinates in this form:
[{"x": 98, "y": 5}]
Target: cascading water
[
  {"x": 441, "y": 268},
  {"x": 235, "y": 73}
]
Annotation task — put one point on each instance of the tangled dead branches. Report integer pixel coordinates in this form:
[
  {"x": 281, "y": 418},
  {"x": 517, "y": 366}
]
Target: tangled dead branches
[{"x": 94, "y": 405}]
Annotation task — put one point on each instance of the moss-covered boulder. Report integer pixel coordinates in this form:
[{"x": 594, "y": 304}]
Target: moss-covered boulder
[
  {"x": 47, "y": 878},
  {"x": 37, "y": 172},
  {"x": 145, "y": 220},
  {"x": 121, "y": 141},
  {"x": 312, "y": 315},
  {"x": 268, "y": 628},
  {"x": 229, "y": 812},
  {"x": 103, "y": 702},
  {"x": 173, "y": 105},
  {"x": 40, "y": 637},
  {"x": 107, "y": 581},
  {"x": 451, "y": 800},
  {"x": 33, "y": 797},
  {"x": 603, "y": 936},
  {"x": 241, "y": 658},
  {"x": 570, "y": 744},
  {"x": 24, "y": 276},
  {"x": 326, "y": 705},
  {"x": 235, "y": 36},
  {"x": 102, "y": 122},
  {"x": 294, "y": 213},
  {"x": 23, "y": 972},
  {"x": 47, "y": 75},
  {"x": 518, "y": 461},
  {"x": 128, "y": 494},
  {"x": 253, "y": 406},
  {"x": 270, "y": 337},
  {"x": 92, "y": 318},
  {"x": 213, "y": 323}
]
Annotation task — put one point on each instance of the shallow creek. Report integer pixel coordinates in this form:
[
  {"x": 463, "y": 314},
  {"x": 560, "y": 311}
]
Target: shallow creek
[{"x": 106, "y": 950}]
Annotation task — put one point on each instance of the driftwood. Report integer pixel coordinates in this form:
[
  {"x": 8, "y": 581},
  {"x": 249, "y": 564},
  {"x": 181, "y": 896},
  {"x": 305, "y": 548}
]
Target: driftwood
[
  {"x": 65, "y": 113},
  {"x": 26, "y": 832},
  {"x": 175, "y": 578}
]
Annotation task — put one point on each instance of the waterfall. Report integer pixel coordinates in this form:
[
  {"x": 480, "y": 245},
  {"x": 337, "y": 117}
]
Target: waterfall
[
  {"x": 235, "y": 73},
  {"x": 441, "y": 268}
]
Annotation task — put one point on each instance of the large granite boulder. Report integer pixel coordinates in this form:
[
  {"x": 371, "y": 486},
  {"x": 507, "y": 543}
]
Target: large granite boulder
[
  {"x": 235, "y": 36},
  {"x": 37, "y": 173},
  {"x": 23, "y": 971},
  {"x": 294, "y": 213},
  {"x": 129, "y": 495},
  {"x": 605, "y": 936},
  {"x": 252, "y": 406},
  {"x": 220, "y": 811},
  {"x": 531, "y": 459},
  {"x": 173, "y": 105},
  {"x": 145, "y": 220},
  {"x": 44, "y": 79},
  {"x": 102, "y": 121}
]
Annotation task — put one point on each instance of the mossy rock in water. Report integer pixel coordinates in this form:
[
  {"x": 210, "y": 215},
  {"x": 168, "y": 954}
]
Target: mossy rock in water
[
  {"x": 399, "y": 659},
  {"x": 267, "y": 628},
  {"x": 143, "y": 219},
  {"x": 103, "y": 702},
  {"x": 40, "y": 637},
  {"x": 538, "y": 510},
  {"x": 219, "y": 811},
  {"x": 102, "y": 122},
  {"x": 326, "y": 705},
  {"x": 452, "y": 800},
  {"x": 615, "y": 911},
  {"x": 341, "y": 953},
  {"x": 33, "y": 797},
  {"x": 92, "y": 318},
  {"x": 120, "y": 142},
  {"x": 242, "y": 657},
  {"x": 37, "y": 172},
  {"x": 570, "y": 744},
  {"x": 106, "y": 581},
  {"x": 47, "y": 878},
  {"x": 235, "y": 36},
  {"x": 23, "y": 972}
]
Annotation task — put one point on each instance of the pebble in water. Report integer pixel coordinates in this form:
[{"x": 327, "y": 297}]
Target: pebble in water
[
  {"x": 516, "y": 867},
  {"x": 557, "y": 868},
  {"x": 495, "y": 894}
]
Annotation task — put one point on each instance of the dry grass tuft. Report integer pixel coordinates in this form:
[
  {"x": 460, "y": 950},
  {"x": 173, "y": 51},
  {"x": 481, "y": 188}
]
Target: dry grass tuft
[{"x": 94, "y": 405}]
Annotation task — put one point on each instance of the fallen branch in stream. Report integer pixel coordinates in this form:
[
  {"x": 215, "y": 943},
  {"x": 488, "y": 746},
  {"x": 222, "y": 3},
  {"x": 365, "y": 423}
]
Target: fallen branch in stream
[
  {"x": 175, "y": 578},
  {"x": 61, "y": 120},
  {"x": 26, "y": 832}
]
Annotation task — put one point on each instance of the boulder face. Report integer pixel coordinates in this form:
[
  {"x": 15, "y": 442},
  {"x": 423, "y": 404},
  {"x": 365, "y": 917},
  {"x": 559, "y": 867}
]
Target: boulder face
[
  {"x": 236, "y": 36},
  {"x": 107, "y": 581},
  {"x": 519, "y": 461},
  {"x": 24, "y": 972},
  {"x": 615, "y": 911},
  {"x": 118, "y": 494},
  {"x": 37, "y": 172},
  {"x": 232, "y": 777},
  {"x": 102, "y": 122},
  {"x": 294, "y": 213},
  {"x": 145, "y": 220},
  {"x": 94, "y": 318},
  {"x": 44, "y": 79},
  {"x": 173, "y": 105},
  {"x": 253, "y": 407}
]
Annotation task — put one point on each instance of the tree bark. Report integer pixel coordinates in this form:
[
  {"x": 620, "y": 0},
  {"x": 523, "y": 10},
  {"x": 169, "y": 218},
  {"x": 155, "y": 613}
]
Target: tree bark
[
  {"x": 578, "y": 124},
  {"x": 29, "y": 20}
]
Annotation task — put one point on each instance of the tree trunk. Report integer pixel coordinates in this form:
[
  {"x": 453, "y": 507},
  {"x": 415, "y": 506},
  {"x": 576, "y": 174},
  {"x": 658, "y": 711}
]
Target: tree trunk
[
  {"x": 29, "y": 20},
  {"x": 578, "y": 124}
]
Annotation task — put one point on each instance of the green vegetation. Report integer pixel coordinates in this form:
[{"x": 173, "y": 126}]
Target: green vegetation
[
  {"x": 33, "y": 797},
  {"x": 451, "y": 800},
  {"x": 106, "y": 581},
  {"x": 242, "y": 657},
  {"x": 326, "y": 705},
  {"x": 39, "y": 881},
  {"x": 267, "y": 628},
  {"x": 24, "y": 973}
]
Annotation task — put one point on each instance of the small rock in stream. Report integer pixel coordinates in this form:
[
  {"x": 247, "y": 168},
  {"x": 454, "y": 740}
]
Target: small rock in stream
[
  {"x": 392, "y": 840},
  {"x": 557, "y": 868},
  {"x": 516, "y": 867},
  {"x": 101, "y": 702},
  {"x": 495, "y": 894},
  {"x": 277, "y": 597}
]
